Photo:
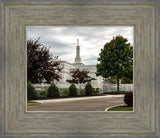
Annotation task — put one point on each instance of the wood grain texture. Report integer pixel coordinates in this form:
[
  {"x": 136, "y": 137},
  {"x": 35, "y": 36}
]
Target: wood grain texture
[{"x": 17, "y": 122}]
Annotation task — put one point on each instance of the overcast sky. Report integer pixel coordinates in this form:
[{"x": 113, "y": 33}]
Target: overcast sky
[{"x": 63, "y": 40}]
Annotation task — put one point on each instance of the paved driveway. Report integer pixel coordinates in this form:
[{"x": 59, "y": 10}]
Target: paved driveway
[{"x": 98, "y": 103}]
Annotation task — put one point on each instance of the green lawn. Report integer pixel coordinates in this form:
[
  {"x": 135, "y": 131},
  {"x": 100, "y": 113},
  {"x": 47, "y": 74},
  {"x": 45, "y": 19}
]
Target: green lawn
[
  {"x": 31, "y": 102},
  {"x": 121, "y": 109}
]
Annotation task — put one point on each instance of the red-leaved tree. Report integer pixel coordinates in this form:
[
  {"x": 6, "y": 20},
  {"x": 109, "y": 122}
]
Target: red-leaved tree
[
  {"x": 40, "y": 64},
  {"x": 80, "y": 76}
]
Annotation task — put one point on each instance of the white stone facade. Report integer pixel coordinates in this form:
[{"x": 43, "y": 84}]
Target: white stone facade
[{"x": 65, "y": 74}]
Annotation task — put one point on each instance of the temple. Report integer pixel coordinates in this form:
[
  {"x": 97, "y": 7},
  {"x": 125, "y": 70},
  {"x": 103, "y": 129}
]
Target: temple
[{"x": 67, "y": 67}]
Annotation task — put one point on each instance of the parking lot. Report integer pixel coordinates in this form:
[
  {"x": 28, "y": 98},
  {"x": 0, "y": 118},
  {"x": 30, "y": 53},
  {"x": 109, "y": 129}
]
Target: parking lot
[{"x": 99, "y": 103}]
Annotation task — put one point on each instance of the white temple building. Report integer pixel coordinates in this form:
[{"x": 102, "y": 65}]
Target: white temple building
[
  {"x": 68, "y": 67},
  {"x": 97, "y": 83}
]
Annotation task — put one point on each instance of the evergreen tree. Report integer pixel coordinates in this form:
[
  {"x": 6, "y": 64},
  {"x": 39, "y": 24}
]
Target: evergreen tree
[
  {"x": 72, "y": 90},
  {"x": 53, "y": 91},
  {"x": 89, "y": 89},
  {"x": 31, "y": 92}
]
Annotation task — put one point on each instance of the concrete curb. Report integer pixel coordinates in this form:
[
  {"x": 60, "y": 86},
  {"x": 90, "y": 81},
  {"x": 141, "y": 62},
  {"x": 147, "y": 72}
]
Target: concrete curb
[{"x": 49, "y": 101}]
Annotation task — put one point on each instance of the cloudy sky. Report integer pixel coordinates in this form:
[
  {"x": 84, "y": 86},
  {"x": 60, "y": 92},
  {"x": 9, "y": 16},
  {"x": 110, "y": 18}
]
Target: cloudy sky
[{"x": 63, "y": 40}]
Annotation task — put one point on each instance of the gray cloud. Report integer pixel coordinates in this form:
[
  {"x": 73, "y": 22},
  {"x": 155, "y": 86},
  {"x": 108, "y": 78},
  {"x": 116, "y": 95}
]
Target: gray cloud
[{"x": 62, "y": 40}]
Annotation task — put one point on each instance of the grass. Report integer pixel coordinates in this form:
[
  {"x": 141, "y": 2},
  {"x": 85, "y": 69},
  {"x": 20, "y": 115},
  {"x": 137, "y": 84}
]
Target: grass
[
  {"x": 121, "y": 108},
  {"x": 31, "y": 102}
]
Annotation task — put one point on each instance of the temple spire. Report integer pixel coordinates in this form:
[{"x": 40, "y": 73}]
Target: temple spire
[
  {"x": 78, "y": 58},
  {"x": 77, "y": 42}
]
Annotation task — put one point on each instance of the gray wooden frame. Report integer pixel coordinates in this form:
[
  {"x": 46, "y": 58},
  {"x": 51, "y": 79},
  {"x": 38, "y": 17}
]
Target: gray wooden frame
[{"x": 142, "y": 122}]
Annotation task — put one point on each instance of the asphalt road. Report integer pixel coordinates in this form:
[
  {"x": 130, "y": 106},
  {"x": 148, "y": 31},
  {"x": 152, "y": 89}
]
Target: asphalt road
[{"x": 99, "y": 104}]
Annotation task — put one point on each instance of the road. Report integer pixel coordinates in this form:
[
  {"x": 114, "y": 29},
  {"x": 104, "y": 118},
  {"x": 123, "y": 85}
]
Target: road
[{"x": 78, "y": 104}]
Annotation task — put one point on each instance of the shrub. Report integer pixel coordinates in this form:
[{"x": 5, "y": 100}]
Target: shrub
[
  {"x": 65, "y": 92},
  {"x": 128, "y": 98},
  {"x": 93, "y": 90},
  {"x": 96, "y": 91},
  {"x": 82, "y": 91},
  {"x": 72, "y": 90},
  {"x": 43, "y": 93},
  {"x": 31, "y": 92},
  {"x": 53, "y": 91},
  {"x": 88, "y": 89}
]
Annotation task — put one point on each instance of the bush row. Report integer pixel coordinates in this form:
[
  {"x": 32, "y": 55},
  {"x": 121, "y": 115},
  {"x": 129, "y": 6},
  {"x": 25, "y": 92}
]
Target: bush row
[
  {"x": 115, "y": 92},
  {"x": 53, "y": 91}
]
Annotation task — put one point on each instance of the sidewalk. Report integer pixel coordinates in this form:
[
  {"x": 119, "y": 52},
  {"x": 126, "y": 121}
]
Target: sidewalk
[{"x": 74, "y": 99}]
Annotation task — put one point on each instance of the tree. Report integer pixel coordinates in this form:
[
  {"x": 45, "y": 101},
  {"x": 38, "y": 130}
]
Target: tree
[
  {"x": 40, "y": 64},
  {"x": 110, "y": 80},
  {"x": 116, "y": 59},
  {"x": 80, "y": 76},
  {"x": 128, "y": 77}
]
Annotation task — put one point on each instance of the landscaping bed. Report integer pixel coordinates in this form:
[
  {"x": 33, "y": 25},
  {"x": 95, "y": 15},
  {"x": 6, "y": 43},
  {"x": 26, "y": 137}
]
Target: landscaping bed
[{"x": 115, "y": 92}]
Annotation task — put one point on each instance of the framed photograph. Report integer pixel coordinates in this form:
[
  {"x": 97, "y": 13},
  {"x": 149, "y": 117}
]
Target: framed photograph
[
  {"x": 92, "y": 73},
  {"x": 49, "y": 98}
]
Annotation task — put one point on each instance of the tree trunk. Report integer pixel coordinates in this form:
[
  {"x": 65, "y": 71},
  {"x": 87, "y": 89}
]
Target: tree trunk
[{"x": 117, "y": 84}]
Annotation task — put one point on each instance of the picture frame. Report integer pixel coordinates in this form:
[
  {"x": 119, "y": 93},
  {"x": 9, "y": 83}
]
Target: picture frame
[{"x": 142, "y": 122}]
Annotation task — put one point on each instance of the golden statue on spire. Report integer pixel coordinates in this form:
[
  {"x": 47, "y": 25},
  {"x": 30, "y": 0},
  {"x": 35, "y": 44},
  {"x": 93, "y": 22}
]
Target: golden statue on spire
[{"x": 78, "y": 42}]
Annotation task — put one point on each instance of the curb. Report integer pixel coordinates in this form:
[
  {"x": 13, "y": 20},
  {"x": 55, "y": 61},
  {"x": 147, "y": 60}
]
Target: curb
[
  {"x": 50, "y": 101},
  {"x": 113, "y": 106}
]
